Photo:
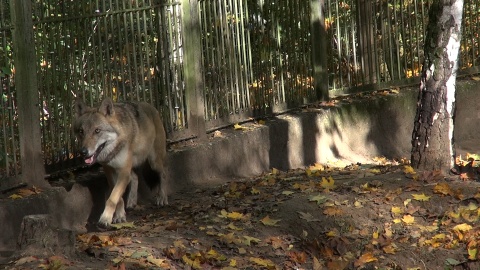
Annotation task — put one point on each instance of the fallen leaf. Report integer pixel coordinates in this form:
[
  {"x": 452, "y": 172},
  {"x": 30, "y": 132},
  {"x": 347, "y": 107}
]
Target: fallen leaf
[
  {"x": 328, "y": 183},
  {"x": 407, "y": 169},
  {"x": 390, "y": 249},
  {"x": 239, "y": 127},
  {"x": 307, "y": 216},
  {"x": 464, "y": 227},
  {"x": 443, "y": 188},
  {"x": 396, "y": 210},
  {"x": 195, "y": 264},
  {"x": 15, "y": 196},
  {"x": 263, "y": 262},
  {"x": 231, "y": 215},
  {"x": 332, "y": 211},
  {"x": 267, "y": 221},
  {"x": 421, "y": 197},
  {"x": 297, "y": 257},
  {"x": 408, "y": 219},
  {"x": 365, "y": 258},
  {"x": 472, "y": 253},
  {"x": 249, "y": 240},
  {"x": 119, "y": 226},
  {"x": 317, "y": 198}
]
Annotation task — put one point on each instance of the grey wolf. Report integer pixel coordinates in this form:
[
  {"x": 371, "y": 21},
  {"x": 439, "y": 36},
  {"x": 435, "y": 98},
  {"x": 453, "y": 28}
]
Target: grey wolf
[{"x": 122, "y": 137}]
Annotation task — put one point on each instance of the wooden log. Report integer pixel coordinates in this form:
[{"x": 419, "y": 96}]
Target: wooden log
[{"x": 39, "y": 237}]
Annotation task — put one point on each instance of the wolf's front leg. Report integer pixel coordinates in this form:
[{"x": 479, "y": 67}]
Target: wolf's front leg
[
  {"x": 113, "y": 203},
  {"x": 120, "y": 215}
]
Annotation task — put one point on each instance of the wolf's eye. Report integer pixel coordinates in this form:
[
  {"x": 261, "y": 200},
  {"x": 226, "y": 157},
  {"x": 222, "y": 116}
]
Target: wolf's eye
[{"x": 97, "y": 130}]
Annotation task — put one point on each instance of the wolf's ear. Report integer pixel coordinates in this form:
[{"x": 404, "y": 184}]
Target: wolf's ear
[
  {"x": 80, "y": 107},
  {"x": 106, "y": 108}
]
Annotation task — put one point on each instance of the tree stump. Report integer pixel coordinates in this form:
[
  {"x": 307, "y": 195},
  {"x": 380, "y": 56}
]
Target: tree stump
[{"x": 38, "y": 237}]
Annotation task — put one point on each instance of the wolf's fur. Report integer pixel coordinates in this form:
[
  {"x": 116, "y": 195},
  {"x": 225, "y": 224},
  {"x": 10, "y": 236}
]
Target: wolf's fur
[{"x": 121, "y": 137}]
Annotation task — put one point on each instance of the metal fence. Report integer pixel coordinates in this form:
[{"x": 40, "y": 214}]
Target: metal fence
[
  {"x": 127, "y": 50},
  {"x": 9, "y": 142},
  {"x": 375, "y": 44},
  {"x": 222, "y": 61}
]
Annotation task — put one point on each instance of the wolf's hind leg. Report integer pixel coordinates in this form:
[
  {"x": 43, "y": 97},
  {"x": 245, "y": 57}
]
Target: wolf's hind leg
[
  {"x": 132, "y": 197},
  {"x": 160, "y": 189},
  {"x": 161, "y": 197}
]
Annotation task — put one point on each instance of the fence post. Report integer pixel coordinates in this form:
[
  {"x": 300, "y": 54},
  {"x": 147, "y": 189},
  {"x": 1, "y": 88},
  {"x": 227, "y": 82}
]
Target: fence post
[
  {"x": 193, "y": 68},
  {"x": 26, "y": 88},
  {"x": 319, "y": 49}
]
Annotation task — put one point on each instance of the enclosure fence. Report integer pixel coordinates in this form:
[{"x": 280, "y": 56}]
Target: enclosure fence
[{"x": 220, "y": 61}]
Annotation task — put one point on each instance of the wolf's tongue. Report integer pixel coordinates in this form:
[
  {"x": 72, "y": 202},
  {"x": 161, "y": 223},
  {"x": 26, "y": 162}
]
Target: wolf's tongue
[{"x": 89, "y": 160}]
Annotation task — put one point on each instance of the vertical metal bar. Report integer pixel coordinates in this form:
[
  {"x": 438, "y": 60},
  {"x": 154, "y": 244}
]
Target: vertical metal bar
[
  {"x": 248, "y": 63},
  {"x": 147, "y": 65},
  {"x": 243, "y": 57}
]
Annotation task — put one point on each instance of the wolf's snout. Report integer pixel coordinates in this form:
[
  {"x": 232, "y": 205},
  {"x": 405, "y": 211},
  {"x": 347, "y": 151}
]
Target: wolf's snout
[{"x": 84, "y": 151}]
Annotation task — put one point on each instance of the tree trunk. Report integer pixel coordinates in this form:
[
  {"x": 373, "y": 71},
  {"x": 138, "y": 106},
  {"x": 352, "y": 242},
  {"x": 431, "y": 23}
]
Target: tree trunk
[{"x": 432, "y": 138}]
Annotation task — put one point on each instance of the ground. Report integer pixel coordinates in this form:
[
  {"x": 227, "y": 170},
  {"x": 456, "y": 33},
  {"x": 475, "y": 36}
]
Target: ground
[{"x": 334, "y": 216}]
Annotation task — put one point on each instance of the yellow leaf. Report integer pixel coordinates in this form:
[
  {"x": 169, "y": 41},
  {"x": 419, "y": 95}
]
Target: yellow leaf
[
  {"x": 15, "y": 196},
  {"x": 421, "y": 197},
  {"x": 239, "y": 127},
  {"x": 472, "y": 253},
  {"x": 231, "y": 226},
  {"x": 390, "y": 249},
  {"x": 162, "y": 263},
  {"x": 231, "y": 215},
  {"x": 406, "y": 202},
  {"x": 275, "y": 171},
  {"x": 375, "y": 235},
  {"x": 255, "y": 191},
  {"x": 233, "y": 263},
  {"x": 365, "y": 258},
  {"x": 357, "y": 204},
  {"x": 267, "y": 221},
  {"x": 442, "y": 188},
  {"x": 119, "y": 226},
  {"x": 328, "y": 183},
  {"x": 195, "y": 264},
  {"x": 375, "y": 171},
  {"x": 408, "y": 169},
  {"x": 261, "y": 122},
  {"x": 408, "y": 219},
  {"x": 396, "y": 210},
  {"x": 263, "y": 262},
  {"x": 463, "y": 227},
  {"x": 249, "y": 240},
  {"x": 332, "y": 233}
]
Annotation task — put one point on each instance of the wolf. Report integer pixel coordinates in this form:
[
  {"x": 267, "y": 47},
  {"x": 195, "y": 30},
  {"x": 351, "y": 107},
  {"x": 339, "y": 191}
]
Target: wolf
[{"x": 122, "y": 137}]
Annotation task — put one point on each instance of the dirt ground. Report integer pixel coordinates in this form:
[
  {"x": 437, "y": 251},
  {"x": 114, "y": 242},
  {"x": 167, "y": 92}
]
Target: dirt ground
[{"x": 342, "y": 216}]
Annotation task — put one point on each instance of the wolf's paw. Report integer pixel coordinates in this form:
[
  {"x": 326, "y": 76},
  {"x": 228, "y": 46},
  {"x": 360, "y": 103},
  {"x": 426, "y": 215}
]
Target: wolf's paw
[
  {"x": 119, "y": 217},
  {"x": 104, "y": 221},
  {"x": 161, "y": 200},
  {"x": 131, "y": 202}
]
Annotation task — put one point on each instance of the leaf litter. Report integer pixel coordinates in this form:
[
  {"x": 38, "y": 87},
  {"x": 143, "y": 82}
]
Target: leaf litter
[{"x": 383, "y": 216}]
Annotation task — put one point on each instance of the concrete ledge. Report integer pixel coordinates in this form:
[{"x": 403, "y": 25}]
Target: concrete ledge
[{"x": 356, "y": 131}]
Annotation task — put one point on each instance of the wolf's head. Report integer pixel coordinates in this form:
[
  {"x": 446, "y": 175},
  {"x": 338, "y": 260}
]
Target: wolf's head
[{"x": 94, "y": 130}]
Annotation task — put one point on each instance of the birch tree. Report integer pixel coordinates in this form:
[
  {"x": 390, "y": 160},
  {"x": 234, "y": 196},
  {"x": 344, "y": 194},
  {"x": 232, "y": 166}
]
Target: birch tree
[{"x": 432, "y": 138}]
